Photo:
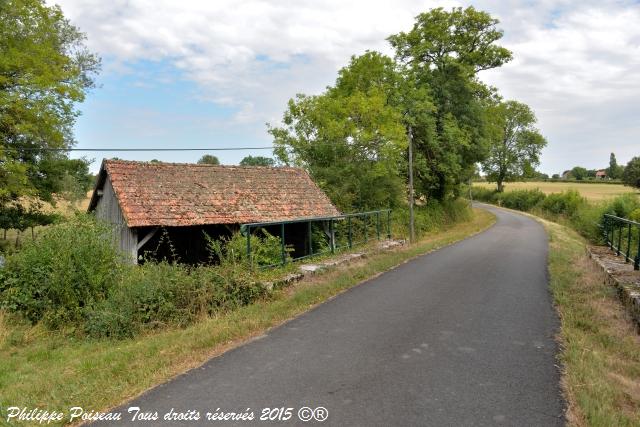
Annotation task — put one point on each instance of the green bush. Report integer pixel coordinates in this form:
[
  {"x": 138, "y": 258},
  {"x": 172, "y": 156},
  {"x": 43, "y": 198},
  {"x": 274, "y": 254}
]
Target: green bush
[
  {"x": 157, "y": 295},
  {"x": 429, "y": 217},
  {"x": 522, "y": 200},
  {"x": 266, "y": 249},
  {"x": 566, "y": 203},
  {"x": 68, "y": 268},
  {"x": 482, "y": 194}
]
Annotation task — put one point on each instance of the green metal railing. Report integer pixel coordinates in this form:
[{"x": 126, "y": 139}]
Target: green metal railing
[
  {"x": 623, "y": 236},
  {"x": 342, "y": 232}
]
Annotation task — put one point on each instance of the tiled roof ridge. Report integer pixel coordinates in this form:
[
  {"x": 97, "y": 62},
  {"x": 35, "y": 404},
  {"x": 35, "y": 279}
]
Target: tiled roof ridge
[{"x": 205, "y": 165}]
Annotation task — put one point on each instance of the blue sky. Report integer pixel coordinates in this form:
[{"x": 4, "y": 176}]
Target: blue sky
[{"x": 211, "y": 74}]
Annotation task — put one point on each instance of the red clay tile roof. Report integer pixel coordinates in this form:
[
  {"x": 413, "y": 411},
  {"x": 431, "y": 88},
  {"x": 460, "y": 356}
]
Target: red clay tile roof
[{"x": 174, "y": 194}]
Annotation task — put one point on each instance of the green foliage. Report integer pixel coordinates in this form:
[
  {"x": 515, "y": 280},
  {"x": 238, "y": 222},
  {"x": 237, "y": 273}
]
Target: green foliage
[
  {"x": 579, "y": 173},
  {"x": 631, "y": 174},
  {"x": 443, "y": 53},
  {"x": 568, "y": 206},
  {"x": 614, "y": 171},
  {"x": 45, "y": 70},
  {"x": 73, "y": 276},
  {"x": 257, "y": 161},
  {"x": 157, "y": 295},
  {"x": 566, "y": 203},
  {"x": 351, "y": 138},
  {"x": 430, "y": 217},
  {"x": 515, "y": 143},
  {"x": 266, "y": 249},
  {"x": 208, "y": 159},
  {"x": 522, "y": 200},
  {"x": 65, "y": 271}
]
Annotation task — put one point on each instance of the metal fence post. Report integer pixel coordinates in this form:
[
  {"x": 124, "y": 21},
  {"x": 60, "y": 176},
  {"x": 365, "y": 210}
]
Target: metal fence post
[
  {"x": 366, "y": 230},
  {"x": 284, "y": 255},
  {"x": 378, "y": 224},
  {"x": 310, "y": 238},
  {"x": 628, "y": 257},
  {"x": 332, "y": 236},
  {"x": 636, "y": 266},
  {"x": 389, "y": 224},
  {"x": 349, "y": 234},
  {"x": 619, "y": 239},
  {"x": 249, "y": 247}
]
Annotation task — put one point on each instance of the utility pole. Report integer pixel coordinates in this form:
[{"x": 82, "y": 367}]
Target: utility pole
[{"x": 412, "y": 235}]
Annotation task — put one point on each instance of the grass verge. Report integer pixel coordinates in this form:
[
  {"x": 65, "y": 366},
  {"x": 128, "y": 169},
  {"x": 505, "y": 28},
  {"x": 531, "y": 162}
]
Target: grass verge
[
  {"x": 39, "y": 368},
  {"x": 600, "y": 347}
]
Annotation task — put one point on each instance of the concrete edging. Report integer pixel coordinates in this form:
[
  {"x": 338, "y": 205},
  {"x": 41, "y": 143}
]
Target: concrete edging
[
  {"x": 305, "y": 270},
  {"x": 620, "y": 275}
]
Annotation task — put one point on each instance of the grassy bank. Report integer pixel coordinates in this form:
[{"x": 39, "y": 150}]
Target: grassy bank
[
  {"x": 599, "y": 345},
  {"x": 41, "y": 368}
]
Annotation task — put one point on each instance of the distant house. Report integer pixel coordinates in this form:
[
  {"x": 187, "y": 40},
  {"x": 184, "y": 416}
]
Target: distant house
[
  {"x": 566, "y": 174},
  {"x": 601, "y": 174},
  {"x": 186, "y": 200}
]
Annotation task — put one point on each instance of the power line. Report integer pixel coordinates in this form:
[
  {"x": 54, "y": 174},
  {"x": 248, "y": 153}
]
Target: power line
[{"x": 134, "y": 149}]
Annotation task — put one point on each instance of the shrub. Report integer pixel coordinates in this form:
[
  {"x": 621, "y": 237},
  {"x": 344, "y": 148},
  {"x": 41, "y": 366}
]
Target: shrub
[
  {"x": 69, "y": 267},
  {"x": 266, "y": 249},
  {"x": 429, "y": 217},
  {"x": 156, "y": 295},
  {"x": 482, "y": 194},
  {"x": 522, "y": 200},
  {"x": 566, "y": 203}
]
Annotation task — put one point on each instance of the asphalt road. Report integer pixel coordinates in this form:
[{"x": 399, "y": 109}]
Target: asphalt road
[{"x": 459, "y": 337}]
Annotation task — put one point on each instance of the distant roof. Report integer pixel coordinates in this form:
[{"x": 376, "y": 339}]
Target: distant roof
[
  {"x": 601, "y": 172},
  {"x": 180, "y": 194}
]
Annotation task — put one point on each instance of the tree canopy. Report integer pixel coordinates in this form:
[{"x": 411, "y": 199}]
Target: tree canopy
[
  {"x": 257, "y": 161},
  {"x": 516, "y": 144},
  {"x": 443, "y": 52},
  {"x": 353, "y": 137},
  {"x": 208, "y": 159},
  {"x": 350, "y": 138},
  {"x": 631, "y": 174},
  {"x": 45, "y": 69}
]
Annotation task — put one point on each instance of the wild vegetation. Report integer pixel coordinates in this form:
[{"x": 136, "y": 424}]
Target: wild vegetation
[
  {"x": 591, "y": 190},
  {"x": 65, "y": 367},
  {"x": 600, "y": 358},
  {"x": 568, "y": 207}
]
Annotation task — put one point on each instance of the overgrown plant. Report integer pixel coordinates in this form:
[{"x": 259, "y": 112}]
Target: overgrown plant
[
  {"x": 266, "y": 249},
  {"x": 66, "y": 270}
]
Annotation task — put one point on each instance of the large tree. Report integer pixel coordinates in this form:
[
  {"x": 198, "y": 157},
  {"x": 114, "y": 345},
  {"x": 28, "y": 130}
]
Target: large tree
[
  {"x": 257, "y": 161},
  {"x": 444, "y": 52},
  {"x": 208, "y": 159},
  {"x": 631, "y": 174},
  {"x": 614, "y": 171},
  {"x": 351, "y": 138},
  {"x": 515, "y": 143},
  {"x": 45, "y": 69}
]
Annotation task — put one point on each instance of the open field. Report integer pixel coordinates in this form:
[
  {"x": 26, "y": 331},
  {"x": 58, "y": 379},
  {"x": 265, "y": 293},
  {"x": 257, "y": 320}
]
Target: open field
[{"x": 592, "y": 191}]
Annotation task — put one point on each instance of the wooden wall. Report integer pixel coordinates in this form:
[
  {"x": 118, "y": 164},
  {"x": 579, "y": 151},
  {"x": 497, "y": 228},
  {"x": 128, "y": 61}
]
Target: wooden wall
[{"x": 108, "y": 209}]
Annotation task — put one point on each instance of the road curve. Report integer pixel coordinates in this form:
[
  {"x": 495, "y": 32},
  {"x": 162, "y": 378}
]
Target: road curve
[{"x": 461, "y": 336}]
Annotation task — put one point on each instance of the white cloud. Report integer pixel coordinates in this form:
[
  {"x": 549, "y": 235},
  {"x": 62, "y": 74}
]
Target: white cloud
[{"x": 577, "y": 63}]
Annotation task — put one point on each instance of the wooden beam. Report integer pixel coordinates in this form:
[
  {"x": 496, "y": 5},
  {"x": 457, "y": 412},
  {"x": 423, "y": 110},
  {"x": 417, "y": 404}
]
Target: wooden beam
[{"x": 146, "y": 238}]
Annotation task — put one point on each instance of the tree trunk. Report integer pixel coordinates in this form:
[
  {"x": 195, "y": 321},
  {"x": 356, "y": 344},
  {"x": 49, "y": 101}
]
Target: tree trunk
[{"x": 500, "y": 186}]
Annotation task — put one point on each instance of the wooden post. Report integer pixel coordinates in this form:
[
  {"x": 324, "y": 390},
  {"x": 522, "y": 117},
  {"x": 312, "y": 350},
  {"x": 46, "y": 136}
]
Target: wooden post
[{"x": 412, "y": 235}]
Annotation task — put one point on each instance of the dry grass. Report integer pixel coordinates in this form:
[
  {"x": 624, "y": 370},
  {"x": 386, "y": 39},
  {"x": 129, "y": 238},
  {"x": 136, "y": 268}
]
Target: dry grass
[
  {"x": 600, "y": 345},
  {"x": 592, "y": 191},
  {"x": 57, "y": 371}
]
